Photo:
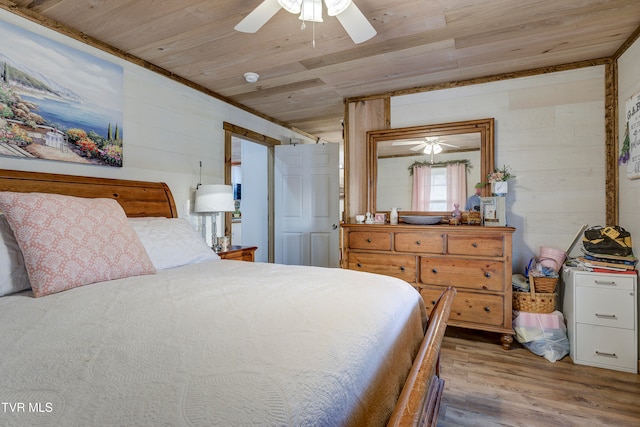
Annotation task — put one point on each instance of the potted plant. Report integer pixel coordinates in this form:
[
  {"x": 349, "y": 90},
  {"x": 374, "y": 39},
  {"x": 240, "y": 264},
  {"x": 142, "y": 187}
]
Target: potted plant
[{"x": 498, "y": 180}]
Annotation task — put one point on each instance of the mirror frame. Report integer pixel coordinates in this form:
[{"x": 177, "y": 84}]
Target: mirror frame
[{"x": 484, "y": 126}]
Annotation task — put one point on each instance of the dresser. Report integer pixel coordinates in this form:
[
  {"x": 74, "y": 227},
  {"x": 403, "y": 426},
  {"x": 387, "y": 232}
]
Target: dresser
[
  {"x": 601, "y": 313},
  {"x": 475, "y": 260}
]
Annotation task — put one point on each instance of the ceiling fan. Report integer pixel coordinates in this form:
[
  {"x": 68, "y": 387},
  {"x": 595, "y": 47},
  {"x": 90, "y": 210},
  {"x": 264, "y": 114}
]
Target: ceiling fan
[
  {"x": 431, "y": 145},
  {"x": 351, "y": 18}
]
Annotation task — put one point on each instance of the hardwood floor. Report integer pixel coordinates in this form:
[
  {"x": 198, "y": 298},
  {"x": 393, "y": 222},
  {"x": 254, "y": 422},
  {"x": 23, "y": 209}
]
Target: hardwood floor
[{"x": 487, "y": 386}]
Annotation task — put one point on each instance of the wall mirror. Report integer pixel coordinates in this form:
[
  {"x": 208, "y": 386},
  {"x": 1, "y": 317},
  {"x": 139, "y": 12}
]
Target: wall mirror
[{"x": 392, "y": 152}]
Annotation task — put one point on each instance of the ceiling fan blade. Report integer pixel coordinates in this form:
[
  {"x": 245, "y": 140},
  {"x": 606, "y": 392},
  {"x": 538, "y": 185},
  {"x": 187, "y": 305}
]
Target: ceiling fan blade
[
  {"x": 258, "y": 17},
  {"x": 356, "y": 24},
  {"x": 448, "y": 145},
  {"x": 418, "y": 147}
]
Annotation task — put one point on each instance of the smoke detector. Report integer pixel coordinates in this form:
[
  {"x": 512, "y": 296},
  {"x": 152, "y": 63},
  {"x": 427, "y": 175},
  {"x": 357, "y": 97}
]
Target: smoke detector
[{"x": 251, "y": 77}]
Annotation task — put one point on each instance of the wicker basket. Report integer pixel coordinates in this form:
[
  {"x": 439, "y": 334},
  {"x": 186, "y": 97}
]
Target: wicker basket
[
  {"x": 545, "y": 285},
  {"x": 535, "y": 302}
]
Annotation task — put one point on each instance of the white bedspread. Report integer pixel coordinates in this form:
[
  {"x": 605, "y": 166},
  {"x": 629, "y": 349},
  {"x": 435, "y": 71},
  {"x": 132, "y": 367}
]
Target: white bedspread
[{"x": 220, "y": 343}]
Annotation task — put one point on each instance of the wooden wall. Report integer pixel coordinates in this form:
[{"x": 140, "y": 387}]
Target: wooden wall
[
  {"x": 550, "y": 128},
  {"x": 361, "y": 117}
]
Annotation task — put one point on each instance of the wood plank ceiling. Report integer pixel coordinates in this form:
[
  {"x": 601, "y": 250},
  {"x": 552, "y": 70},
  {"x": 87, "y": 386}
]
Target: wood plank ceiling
[{"x": 419, "y": 43}]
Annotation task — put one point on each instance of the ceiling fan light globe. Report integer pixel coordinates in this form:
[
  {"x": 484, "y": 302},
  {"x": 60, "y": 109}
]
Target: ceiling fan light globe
[
  {"x": 336, "y": 7},
  {"x": 432, "y": 148},
  {"x": 291, "y": 6},
  {"x": 311, "y": 11}
]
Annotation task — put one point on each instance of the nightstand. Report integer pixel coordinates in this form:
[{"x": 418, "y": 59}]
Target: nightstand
[{"x": 239, "y": 253}]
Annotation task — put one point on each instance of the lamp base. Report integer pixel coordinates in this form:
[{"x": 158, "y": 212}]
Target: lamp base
[
  {"x": 215, "y": 244},
  {"x": 214, "y": 235}
]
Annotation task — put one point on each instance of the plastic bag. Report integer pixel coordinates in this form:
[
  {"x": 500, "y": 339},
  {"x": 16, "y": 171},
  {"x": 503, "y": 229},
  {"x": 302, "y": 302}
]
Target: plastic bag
[{"x": 543, "y": 334}]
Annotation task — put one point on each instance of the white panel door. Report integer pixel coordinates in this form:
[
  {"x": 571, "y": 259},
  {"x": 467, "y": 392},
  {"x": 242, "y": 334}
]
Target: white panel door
[{"x": 307, "y": 204}]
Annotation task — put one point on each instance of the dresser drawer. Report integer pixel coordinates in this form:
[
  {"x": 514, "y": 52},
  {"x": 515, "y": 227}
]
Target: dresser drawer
[
  {"x": 605, "y": 347},
  {"x": 370, "y": 240},
  {"x": 469, "y": 307},
  {"x": 606, "y": 307},
  {"x": 462, "y": 273},
  {"x": 475, "y": 245},
  {"x": 400, "y": 266},
  {"x": 424, "y": 243}
]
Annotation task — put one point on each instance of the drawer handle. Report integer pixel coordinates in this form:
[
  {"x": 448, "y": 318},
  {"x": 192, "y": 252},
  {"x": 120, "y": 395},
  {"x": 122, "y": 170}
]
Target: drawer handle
[
  {"x": 487, "y": 274},
  {"x": 605, "y": 354},
  {"x": 402, "y": 268},
  {"x": 369, "y": 240},
  {"x": 605, "y": 282},
  {"x": 418, "y": 243},
  {"x": 606, "y": 316},
  {"x": 474, "y": 244},
  {"x": 487, "y": 309},
  {"x": 359, "y": 265},
  {"x": 434, "y": 270}
]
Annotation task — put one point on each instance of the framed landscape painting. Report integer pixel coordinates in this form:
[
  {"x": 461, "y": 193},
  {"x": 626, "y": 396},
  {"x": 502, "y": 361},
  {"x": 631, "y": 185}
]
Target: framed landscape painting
[{"x": 58, "y": 103}]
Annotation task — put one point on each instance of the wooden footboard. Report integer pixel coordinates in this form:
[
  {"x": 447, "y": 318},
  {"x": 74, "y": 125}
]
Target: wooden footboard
[{"x": 419, "y": 401}]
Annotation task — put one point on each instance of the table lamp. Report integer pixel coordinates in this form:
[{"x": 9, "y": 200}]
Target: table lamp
[{"x": 214, "y": 199}]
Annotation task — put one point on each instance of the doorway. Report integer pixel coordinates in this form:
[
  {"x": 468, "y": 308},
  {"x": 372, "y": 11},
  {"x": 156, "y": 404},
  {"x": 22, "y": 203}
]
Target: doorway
[
  {"x": 254, "y": 152},
  {"x": 250, "y": 180}
]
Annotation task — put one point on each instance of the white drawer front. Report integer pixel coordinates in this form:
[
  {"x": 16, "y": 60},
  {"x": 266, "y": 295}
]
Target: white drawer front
[
  {"x": 606, "y": 347},
  {"x": 609, "y": 281},
  {"x": 606, "y": 307}
]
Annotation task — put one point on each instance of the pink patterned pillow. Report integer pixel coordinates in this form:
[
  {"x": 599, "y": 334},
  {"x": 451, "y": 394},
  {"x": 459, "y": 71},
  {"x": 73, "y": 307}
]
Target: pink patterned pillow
[{"x": 72, "y": 241}]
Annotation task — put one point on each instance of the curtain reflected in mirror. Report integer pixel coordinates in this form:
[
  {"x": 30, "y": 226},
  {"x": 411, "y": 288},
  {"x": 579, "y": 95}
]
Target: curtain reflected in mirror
[
  {"x": 439, "y": 188},
  {"x": 412, "y": 183}
]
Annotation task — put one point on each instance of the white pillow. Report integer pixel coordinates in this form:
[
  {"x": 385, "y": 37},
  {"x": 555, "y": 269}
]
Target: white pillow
[
  {"x": 171, "y": 242},
  {"x": 13, "y": 273}
]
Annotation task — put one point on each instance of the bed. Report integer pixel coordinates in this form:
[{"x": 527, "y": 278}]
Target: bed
[{"x": 166, "y": 333}]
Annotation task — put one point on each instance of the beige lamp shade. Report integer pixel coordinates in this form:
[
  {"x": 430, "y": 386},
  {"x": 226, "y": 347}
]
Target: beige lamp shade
[{"x": 214, "y": 198}]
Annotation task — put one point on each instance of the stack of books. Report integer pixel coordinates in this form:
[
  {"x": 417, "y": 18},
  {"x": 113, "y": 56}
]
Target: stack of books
[{"x": 605, "y": 263}]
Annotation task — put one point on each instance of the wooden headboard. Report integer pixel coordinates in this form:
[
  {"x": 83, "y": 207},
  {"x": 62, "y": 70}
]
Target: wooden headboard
[{"x": 137, "y": 198}]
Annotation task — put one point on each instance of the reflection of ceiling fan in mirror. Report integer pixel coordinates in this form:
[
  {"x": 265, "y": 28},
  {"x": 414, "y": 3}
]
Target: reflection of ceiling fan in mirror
[
  {"x": 430, "y": 145},
  {"x": 353, "y": 21}
]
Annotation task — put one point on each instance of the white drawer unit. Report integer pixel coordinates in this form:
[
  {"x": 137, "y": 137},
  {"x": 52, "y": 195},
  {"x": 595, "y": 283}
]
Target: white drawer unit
[{"x": 601, "y": 312}]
